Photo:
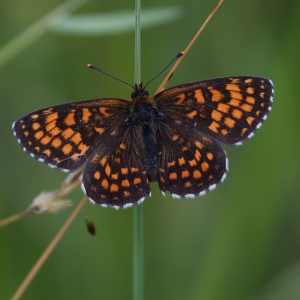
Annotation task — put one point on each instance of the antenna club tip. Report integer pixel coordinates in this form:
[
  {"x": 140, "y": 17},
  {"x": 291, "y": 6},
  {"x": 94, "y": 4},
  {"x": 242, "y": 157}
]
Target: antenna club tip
[
  {"x": 89, "y": 65},
  {"x": 180, "y": 54}
]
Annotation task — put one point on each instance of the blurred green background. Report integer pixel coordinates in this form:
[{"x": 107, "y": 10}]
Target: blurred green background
[{"x": 239, "y": 242}]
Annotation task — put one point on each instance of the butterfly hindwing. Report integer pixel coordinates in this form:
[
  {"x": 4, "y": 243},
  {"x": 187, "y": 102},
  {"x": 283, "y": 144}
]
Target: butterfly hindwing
[
  {"x": 114, "y": 175},
  {"x": 229, "y": 109},
  {"x": 63, "y": 136},
  {"x": 191, "y": 163}
]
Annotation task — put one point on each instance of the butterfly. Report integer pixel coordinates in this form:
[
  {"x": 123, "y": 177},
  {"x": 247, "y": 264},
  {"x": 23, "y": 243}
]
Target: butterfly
[{"x": 173, "y": 137}]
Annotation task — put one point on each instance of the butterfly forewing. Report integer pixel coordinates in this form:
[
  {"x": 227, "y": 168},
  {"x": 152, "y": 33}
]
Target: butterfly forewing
[
  {"x": 191, "y": 164},
  {"x": 228, "y": 109},
  {"x": 114, "y": 174},
  {"x": 63, "y": 136}
]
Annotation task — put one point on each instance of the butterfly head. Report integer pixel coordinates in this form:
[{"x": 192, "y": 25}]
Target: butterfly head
[{"x": 139, "y": 93}]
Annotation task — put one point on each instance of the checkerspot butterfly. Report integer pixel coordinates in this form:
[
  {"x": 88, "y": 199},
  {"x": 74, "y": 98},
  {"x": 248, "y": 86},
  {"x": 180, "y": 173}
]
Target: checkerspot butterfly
[{"x": 173, "y": 137}]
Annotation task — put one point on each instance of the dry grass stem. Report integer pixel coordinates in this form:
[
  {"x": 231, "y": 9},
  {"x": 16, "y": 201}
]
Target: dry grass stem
[
  {"x": 51, "y": 202},
  {"x": 40, "y": 262},
  {"x": 13, "y": 218},
  {"x": 188, "y": 47}
]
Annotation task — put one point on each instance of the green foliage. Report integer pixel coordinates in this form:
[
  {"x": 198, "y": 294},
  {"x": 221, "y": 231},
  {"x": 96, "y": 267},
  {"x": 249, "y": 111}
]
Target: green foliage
[
  {"x": 115, "y": 22},
  {"x": 240, "y": 241}
]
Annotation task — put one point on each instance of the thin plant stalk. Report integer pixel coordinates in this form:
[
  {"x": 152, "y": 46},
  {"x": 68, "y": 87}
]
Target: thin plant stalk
[
  {"x": 36, "y": 30},
  {"x": 43, "y": 258},
  {"x": 138, "y": 230},
  {"x": 13, "y": 218},
  {"x": 188, "y": 47}
]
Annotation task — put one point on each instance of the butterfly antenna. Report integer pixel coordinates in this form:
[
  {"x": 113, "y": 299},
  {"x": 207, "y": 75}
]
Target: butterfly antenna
[
  {"x": 90, "y": 66},
  {"x": 165, "y": 68}
]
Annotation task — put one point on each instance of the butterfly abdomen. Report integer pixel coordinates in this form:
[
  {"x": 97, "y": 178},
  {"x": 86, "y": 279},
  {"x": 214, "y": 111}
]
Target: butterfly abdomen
[{"x": 150, "y": 150}]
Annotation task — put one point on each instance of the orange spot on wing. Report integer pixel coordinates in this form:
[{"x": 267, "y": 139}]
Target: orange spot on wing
[
  {"x": 97, "y": 175},
  {"x": 83, "y": 148},
  {"x": 244, "y": 130},
  {"x": 55, "y": 131},
  {"x": 174, "y": 137},
  {"x": 36, "y": 126},
  {"x": 26, "y": 133},
  {"x": 237, "y": 113},
  {"x": 196, "y": 174},
  {"x": 122, "y": 146},
  {"x": 46, "y": 139},
  {"x": 67, "y": 148},
  {"x": 248, "y": 80},
  {"x": 198, "y": 144},
  {"x": 188, "y": 184},
  {"x": 134, "y": 170},
  {"x": 35, "y": 116},
  {"x": 104, "y": 184},
  {"x": 204, "y": 166},
  {"x": 223, "y": 107},
  {"x": 99, "y": 129},
  {"x": 192, "y": 114},
  {"x": 250, "y": 90},
  {"x": 126, "y": 194},
  {"x": 115, "y": 176},
  {"x": 37, "y": 148},
  {"x": 234, "y": 102},
  {"x": 172, "y": 176},
  {"x": 233, "y": 87},
  {"x": 216, "y": 95},
  {"x": 246, "y": 107},
  {"x": 56, "y": 142},
  {"x": 209, "y": 155},
  {"x": 229, "y": 122},
  {"x": 181, "y": 161},
  {"x": 85, "y": 115},
  {"x": 76, "y": 138},
  {"x": 192, "y": 163},
  {"x": 224, "y": 131},
  {"x": 234, "y": 80},
  {"x": 103, "y": 111},
  {"x": 103, "y": 161},
  {"x": 214, "y": 126},
  {"x": 216, "y": 115},
  {"x": 107, "y": 170},
  {"x": 197, "y": 155},
  {"x": 124, "y": 171},
  {"x": 67, "y": 133},
  {"x": 39, "y": 134},
  {"x": 125, "y": 183},
  {"x": 114, "y": 188},
  {"x": 50, "y": 126},
  {"x": 51, "y": 117},
  {"x": 250, "y": 120},
  {"x": 137, "y": 180},
  {"x": 172, "y": 163},
  {"x": 180, "y": 98},
  {"x": 250, "y": 100},
  {"x": 236, "y": 95},
  {"x": 185, "y": 174},
  {"x": 199, "y": 96},
  {"x": 69, "y": 119}
]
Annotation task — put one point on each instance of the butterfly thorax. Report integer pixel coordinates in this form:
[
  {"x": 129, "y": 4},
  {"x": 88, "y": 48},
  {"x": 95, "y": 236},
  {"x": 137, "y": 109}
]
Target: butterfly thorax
[{"x": 143, "y": 121}]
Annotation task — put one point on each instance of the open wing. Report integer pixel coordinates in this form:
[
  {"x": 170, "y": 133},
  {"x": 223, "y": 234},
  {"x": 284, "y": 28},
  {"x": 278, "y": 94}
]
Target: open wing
[
  {"x": 228, "y": 109},
  {"x": 114, "y": 174},
  {"x": 63, "y": 136},
  {"x": 190, "y": 163}
]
